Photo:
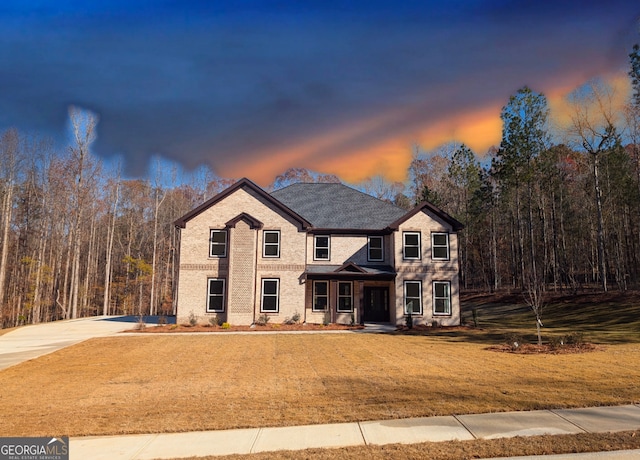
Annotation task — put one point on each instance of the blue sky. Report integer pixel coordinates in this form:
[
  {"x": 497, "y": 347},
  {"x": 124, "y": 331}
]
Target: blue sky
[{"x": 253, "y": 87}]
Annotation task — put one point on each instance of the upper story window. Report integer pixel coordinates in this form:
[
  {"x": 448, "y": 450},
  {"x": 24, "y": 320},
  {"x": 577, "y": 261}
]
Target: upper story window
[
  {"x": 440, "y": 246},
  {"x": 411, "y": 245},
  {"x": 271, "y": 243},
  {"x": 375, "y": 249},
  {"x": 321, "y": 247},
  {"x": 218, "y": 243}
]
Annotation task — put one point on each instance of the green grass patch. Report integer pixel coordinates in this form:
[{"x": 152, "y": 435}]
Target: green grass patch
[{"x": 602, "y": 318}]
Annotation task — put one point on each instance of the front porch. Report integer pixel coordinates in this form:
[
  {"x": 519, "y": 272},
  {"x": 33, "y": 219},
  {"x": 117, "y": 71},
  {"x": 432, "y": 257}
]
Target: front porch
[{"x": 350, "y": 294}]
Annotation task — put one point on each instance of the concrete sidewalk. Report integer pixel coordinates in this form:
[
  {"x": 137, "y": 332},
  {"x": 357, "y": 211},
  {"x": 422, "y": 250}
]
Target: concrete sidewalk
[
  {"x": 408, "y": 431},
  {"x": 36, "y": 340}
]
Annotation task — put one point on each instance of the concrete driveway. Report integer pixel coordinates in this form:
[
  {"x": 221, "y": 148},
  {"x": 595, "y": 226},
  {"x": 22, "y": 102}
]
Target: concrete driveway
[{"x": 32, "y": 341}]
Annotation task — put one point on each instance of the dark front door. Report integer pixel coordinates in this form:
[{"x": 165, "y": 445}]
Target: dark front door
[{"x": 376, "y": 304}]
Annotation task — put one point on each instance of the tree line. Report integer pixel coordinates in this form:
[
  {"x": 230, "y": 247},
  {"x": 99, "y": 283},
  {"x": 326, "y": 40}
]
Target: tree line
[{"x": 77, "y": 239}]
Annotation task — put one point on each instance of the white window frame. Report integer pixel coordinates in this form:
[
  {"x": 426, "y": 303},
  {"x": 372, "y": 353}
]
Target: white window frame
[
  {"x": 371, "y": 259},
  {"x": 316, "y": 296},
  {"x": 209, "y": 295},
  {"x": 212, "y": 244},
  {"x": 419, "y": 298},
  {"x": 434, "y": 245},
  {"x": 447, "y": 298},
  {"x": 316, "y": 247},
  {"x": 263, "y": 295},
  {"x": 265, "y": 244},
  {"x": 341, "y": 296},
  {"x": 405, "y": 245}
]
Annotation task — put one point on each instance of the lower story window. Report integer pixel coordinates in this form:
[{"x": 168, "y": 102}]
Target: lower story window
[
  {"x": 441, "y": 298},
  {"x": 413, "y": 297},
  {"x": 215, "y": 295},
  {"x": 320, "y": 295},
  {"x": 270, "y": 295},
  {"x": 345, "y": 296}
]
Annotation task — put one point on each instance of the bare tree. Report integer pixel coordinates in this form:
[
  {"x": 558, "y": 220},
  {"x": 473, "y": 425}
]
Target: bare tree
[
  {"x": 534, "y": 295},
  {"x": 109, "y": 250},
  {"x": 383, "y": 189},
  {"x": 593, "y": 127},
  {"x": 159, "y": 197},
  {"x": 9, "y": 159},
  {"x": 83, "y": 124}
]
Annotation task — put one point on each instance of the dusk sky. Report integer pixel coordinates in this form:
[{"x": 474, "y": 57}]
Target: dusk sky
[{"x": 253, "y": 87}]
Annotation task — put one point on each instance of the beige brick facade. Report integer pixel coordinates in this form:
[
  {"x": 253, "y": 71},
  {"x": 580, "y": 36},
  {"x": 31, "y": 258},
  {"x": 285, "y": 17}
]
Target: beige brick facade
[
  {"x": 426, "y": 269},
  {"x": 245, "y": 213}
]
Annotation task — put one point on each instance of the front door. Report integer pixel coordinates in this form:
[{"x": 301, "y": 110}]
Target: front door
[{"x": 376, "y": 304}]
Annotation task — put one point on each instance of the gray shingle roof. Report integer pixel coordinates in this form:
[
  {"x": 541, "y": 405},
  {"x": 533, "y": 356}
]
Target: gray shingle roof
[
  {"x": 336, "y": 206},
  {"x": 367, "y": 269}
]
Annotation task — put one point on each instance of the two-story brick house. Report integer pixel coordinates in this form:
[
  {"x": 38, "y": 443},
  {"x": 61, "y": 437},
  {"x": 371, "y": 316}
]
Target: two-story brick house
[{"x": 324, "y": 251}]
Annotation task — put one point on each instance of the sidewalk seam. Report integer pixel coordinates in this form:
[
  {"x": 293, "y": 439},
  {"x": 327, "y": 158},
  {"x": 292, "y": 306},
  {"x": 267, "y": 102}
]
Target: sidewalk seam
[
  {"x": 364, "y": 439},
  {"x": 465, "y": 426},
  {"x": 255, "y": 440},
  {"x": 142, "y": 448},
  {"x": 553, "y": 411}
]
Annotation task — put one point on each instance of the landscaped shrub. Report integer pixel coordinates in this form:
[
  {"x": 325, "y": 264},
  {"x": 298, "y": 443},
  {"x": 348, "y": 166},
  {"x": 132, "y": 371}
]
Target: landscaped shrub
[
  {"x": 514, "y": 341},
  {"x": 408, "y": 321},
  {"x": 262, "y": 320},
  {"x": 295, "y": 319},
  {"x": 193, "y": 319},
  {"x": 216, "y": 320},
  {"x": 575, "y": 339},
  {"x": 556, "y": 342}
]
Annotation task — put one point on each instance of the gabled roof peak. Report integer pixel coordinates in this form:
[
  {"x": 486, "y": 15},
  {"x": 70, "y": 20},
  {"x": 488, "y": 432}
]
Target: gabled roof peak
[{"x": 242, "y": 183}]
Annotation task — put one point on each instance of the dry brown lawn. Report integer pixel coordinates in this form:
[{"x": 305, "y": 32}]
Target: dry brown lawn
[{"x": 171, "y": 383}]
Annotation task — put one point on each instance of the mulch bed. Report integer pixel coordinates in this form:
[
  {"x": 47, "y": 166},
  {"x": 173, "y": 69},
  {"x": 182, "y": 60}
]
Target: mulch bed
[
  {"x": 531, "y": 349},
  {"x": 278, "y": 327},
  {"x": 421, "y": 328},
  {"x": 170, "y": 328}
]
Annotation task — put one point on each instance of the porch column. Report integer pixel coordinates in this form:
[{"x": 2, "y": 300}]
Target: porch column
[{"x": 360, "y": 303}]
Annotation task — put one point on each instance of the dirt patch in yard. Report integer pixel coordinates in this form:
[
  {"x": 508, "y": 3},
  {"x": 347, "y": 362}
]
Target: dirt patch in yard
[
  {"x": 169, "y": 328},
  {"x": 529, "y": 349}
]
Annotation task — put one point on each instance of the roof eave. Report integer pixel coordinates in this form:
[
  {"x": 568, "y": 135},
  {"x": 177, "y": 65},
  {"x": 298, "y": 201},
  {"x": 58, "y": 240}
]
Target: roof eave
[{"x": 350, "y": 231}]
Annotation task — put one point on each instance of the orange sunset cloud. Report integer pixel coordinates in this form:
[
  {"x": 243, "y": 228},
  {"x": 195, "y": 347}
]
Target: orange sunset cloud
[
  {"x": 384, "y": 145},
  {"x": 344, "y": 154}
]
